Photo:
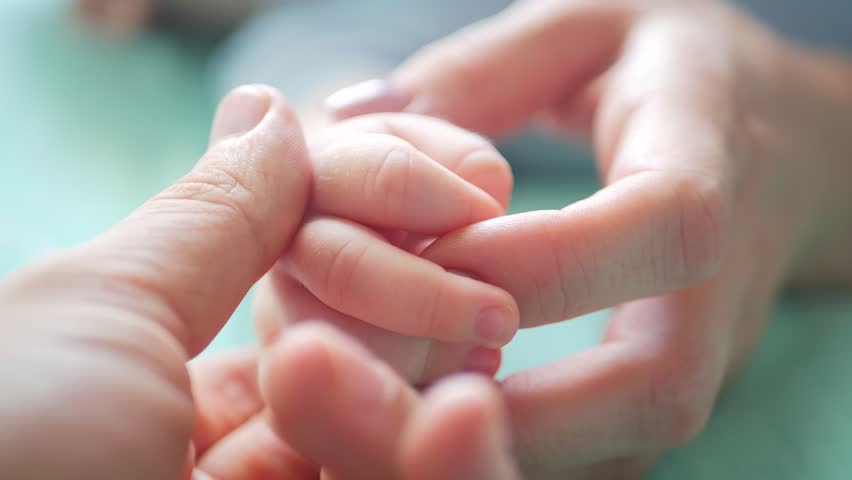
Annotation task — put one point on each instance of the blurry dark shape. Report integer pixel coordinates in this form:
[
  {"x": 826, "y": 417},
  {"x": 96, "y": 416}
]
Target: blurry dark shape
[
  {"x": 129, "y": 18},
  {"x": 824, "y": 23},
  {"x": 116, "y": 18},
  {"x": 210, "y": 17}
]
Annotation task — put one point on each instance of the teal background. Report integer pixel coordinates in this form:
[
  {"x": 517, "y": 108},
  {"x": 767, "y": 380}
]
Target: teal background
[{"x": 91, "y": 129}]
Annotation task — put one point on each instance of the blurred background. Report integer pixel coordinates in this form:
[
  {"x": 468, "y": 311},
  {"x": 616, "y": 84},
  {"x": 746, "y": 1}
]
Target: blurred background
[{"x": 98, "y": 121}]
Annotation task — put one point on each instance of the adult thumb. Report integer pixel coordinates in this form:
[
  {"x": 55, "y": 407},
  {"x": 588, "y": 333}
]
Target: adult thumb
[
  {"x": 190, "y": 254},
  {"x": 494, "y": 75}
]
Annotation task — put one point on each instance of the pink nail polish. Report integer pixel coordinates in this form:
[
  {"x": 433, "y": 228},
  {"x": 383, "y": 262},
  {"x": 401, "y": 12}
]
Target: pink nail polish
[
  {"x": 483, "y": 360},
  {"x": 372, "y": 96},
  {"x": 495, "y": 326}
]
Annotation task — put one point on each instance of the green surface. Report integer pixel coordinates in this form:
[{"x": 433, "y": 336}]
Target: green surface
[{"x": 91, "y": 130}]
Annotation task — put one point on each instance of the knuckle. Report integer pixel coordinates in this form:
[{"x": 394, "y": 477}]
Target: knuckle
[
  {"x": 390, "y": 182},
  {"x": 486, "y": 168},
  {"x": 534, "y": 447},
  {"x": 540, "y": 444},
  {"x": 429, "y": 313},
  {"x": 571, "y": 271},
  {"x": 582, "y": 262},
  {"x": 341, "y": 266},
  {"x": 699, "y": 221},
  {"x": 677, "y": 400},
  {"x": 216, "y": 192},
  {"x": 454, "y": 59}
]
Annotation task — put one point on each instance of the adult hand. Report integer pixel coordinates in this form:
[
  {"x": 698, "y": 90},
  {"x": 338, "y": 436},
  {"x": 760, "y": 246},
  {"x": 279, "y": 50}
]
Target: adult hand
[
  {"x": 722, "y": 150},
  {"x": 95, "y": 341}
]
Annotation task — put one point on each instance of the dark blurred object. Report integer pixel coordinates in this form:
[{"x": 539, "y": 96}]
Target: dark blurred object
[
  {"x": 116, "y": 18},
  {"x": 128, "y": 18},
  {"x": 825, "y": 23}
]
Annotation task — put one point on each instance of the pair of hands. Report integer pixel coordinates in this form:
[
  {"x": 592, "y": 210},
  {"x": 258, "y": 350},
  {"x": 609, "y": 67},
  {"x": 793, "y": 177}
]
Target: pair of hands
[
  {"x": 723, "y": 151},
  {"x": 95, "y": 341}
]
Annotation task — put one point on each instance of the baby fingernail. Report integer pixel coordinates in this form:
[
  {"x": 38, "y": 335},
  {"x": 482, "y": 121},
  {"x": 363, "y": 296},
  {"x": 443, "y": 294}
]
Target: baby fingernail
[
  {"x": 372, "y": 96},
  {"x": 483, "y": 360},
  {"x": 495, "y": 326}
]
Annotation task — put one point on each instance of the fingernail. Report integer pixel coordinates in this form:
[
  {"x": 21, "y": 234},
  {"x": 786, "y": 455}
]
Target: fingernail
[
  {"x": 372, "y": 96},
  {"x": 240, "y": 112},
  {"x": 483, "y": 360},
  {"x": 495, "y": 326}
]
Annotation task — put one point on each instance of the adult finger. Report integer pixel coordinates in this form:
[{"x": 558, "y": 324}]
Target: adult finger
[
  {"x": 188, "y": 256},
  {"x": 648, "y": 387},
  {"x": 459, "y": 431},
  {"x": 281, "y": 301},
  {"x": 643, "y": 236},
  {"x": 352, "y": 270},
  {"x": 575, "y": 115},
  {"x": 335, "y": 403},
  {"x": 659, "y": 224},
  {"x": 494, "y": 75}
]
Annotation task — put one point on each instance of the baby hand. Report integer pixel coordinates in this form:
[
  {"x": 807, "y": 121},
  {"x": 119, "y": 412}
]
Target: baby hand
[{"x": 385, "y": 186}]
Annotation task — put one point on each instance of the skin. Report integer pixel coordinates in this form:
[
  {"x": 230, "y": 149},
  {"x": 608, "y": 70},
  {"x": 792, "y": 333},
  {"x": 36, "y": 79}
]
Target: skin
[
  {"x": 763, "y": 124},
  {"x": 723, "y": 150},
  {"x": 95, "y": 340},
  {"x": 327, "y": 272}
]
